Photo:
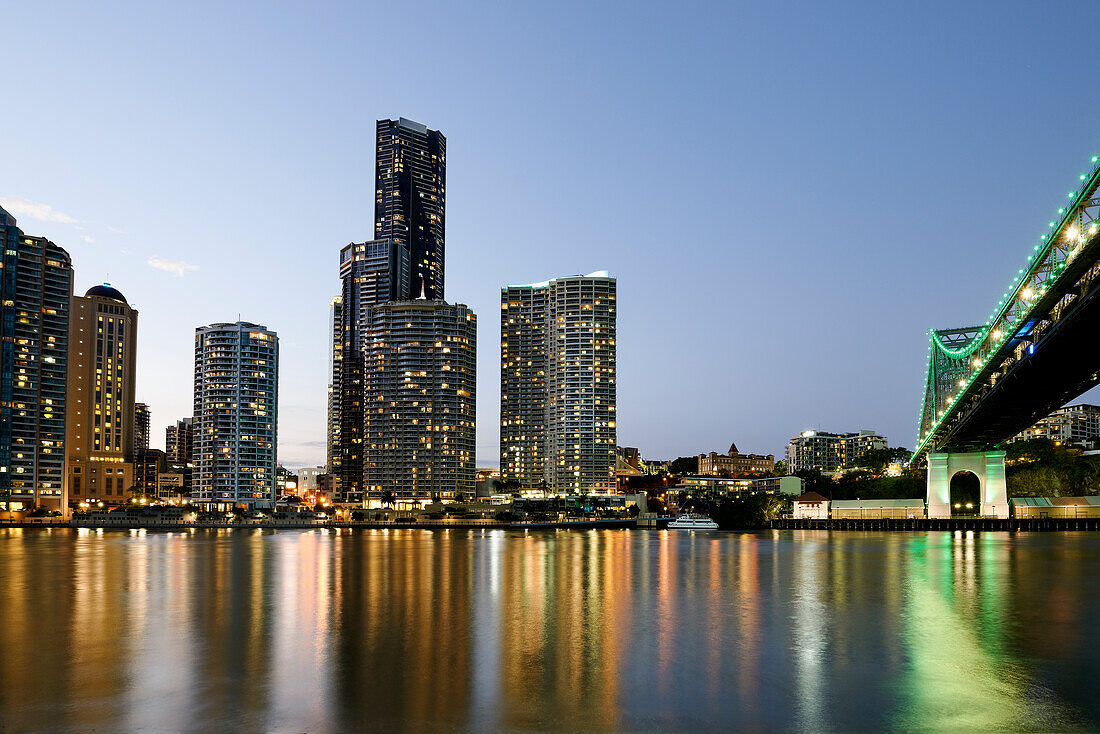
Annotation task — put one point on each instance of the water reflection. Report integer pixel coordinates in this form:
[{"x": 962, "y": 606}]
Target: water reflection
[{"x": 600, "y": 630}]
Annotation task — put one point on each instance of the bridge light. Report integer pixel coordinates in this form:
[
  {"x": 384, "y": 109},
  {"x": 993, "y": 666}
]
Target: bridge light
[
  {"x": 1050, "y": 224},
  {"x": 1071, "y": 194},
  {"x": 1061, "y": 211},
  {"x": 1072, "y": 233},
  {"x": 1082, "y": 177},
  {"x": 1095, "y": 158}
]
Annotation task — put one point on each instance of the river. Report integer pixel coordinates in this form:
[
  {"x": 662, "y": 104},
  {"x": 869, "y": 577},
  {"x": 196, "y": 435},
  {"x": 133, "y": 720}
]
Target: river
[{"x": 417, "y": 630}]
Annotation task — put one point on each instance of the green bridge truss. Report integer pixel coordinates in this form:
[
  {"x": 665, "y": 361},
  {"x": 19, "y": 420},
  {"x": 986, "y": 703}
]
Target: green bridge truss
[{"x": 965, "y": 364}]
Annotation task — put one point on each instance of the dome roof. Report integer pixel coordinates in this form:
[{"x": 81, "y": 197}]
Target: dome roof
[{"x": 106, "y": 291}]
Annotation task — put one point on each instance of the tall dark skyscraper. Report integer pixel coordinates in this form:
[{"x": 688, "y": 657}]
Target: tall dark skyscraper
[
  {"x": 409, "y": 200},
  {"x": 371, "y": 273},
  {"x": 35, "y": 288}
]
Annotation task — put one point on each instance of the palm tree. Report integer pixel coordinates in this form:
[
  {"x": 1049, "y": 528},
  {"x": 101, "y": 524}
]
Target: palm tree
[{"x": 388, "y": 498}]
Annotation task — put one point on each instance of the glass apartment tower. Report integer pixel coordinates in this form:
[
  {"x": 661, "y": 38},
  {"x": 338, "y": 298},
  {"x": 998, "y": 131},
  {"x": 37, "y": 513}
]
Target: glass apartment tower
[
  {"x": 236, "y": 415},
  {"x": 409, "y": 200},
  {"x": 102, "y": 372},
  {"x": 557, "y": 384},
  {"x": 371, "y": 273},
  {"x": 35, "y": 288},
  {"x": 420, "y": 380}
]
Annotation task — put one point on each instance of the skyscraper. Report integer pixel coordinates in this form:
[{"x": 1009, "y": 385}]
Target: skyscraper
[
  {"x": 557, "y": 383},
  {"x": 371, "y": 273},
  {"x": 420, "y": 380},
  {"x": 409, "y": 200},
  {"x": 102, "y": 370},
  {"x": 236, "y": 414},
  {"x": 141, "y": 427},
  {"x": 335, "y": 352},
  {"x": 35, "y": 287}
]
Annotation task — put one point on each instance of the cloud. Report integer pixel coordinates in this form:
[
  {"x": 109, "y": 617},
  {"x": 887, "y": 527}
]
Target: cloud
[
  {"x": 176, "y": 267},
  {"x": 115, "y": 230},
  {"x": 36, "y": 210},
  {"x": 88, "y": 239}
]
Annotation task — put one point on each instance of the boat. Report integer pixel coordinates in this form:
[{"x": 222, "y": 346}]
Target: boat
[{"x": 692, "y": 522}]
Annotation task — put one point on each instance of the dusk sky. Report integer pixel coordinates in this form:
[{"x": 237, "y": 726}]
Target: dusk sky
[{"x": 790, "y": 195}]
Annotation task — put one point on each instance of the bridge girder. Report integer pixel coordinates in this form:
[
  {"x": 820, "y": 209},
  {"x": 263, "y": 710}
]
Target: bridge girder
[{"x": 1050, "y": 302}]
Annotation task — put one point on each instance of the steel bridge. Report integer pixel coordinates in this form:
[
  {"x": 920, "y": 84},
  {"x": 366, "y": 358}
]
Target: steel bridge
[{"x": 1039, "y": 348}]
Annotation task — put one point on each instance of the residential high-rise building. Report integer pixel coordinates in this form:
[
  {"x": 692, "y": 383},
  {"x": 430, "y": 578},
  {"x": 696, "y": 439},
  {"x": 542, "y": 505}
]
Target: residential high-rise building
[
  {"x": 99, "y": 452},
  {"x": 35, "y": 288},
  {"x": 409, "y": 200},
  {"x": 1070, "y": 425},
  {"x": 179, "y": 441},
  {"x": 420, "y": 384},
  {"x": 371, "y": 273},
  {"x": 335, "y": 353},
  {"x": 557, "y": 385},
  {"x": 141, "y": 427},
  {"x": 831, "y": 452},
  {"x": 236, "y": 414}
]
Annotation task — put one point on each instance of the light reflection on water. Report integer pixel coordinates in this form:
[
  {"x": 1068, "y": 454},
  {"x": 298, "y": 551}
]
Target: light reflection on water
[{"x": 571, "y": 630}]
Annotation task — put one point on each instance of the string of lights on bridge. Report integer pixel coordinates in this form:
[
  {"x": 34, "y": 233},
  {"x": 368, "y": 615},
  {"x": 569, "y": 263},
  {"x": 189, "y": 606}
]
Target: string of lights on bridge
[{"x": 1004, "y": 331}]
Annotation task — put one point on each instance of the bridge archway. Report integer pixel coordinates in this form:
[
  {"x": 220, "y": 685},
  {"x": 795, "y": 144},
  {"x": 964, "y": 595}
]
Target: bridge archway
[
  {"x": 965, "y": 493},
  {"x": 987, "y": 466}
]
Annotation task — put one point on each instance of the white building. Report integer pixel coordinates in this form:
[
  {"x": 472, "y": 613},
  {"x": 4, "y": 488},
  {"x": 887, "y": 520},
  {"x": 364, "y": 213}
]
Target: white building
[
  {"x": 811, "y": 506},
  {"x": 557, "y": 383},
  {"x": 236, "y": 414}
]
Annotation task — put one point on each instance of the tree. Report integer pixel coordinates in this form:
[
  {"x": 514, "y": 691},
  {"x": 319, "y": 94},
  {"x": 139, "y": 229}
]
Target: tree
[
  {"x": 684, "y": 465},
  {"x": 388, "y": 498}
]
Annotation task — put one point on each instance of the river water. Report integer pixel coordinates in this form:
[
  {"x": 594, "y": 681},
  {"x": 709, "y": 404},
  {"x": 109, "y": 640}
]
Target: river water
[{"x": 415, "y": 630}]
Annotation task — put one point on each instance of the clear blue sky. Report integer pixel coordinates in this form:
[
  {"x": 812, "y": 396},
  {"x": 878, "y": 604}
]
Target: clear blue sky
[{"x": 790, "y": 194}]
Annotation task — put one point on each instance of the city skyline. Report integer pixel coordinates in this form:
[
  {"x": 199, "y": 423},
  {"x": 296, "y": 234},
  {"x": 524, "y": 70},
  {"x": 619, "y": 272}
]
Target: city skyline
[{"x": 825, "y": 308}]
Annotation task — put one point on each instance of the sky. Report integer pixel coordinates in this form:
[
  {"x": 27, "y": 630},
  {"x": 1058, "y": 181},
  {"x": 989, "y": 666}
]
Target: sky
[{"x": 789, "y": 194}]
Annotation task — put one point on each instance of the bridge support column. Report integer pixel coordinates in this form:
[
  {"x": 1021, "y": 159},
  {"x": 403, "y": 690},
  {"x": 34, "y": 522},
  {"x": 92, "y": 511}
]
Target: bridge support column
[{"x": 989, "y": 466}]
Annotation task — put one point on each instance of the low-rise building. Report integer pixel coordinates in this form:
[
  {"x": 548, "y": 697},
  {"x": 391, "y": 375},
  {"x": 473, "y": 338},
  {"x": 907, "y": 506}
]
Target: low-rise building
[
  {"x": 877, "y": 509},
  {"x": 724, "y": 485},
  {"x": 811, "y": 506},
  {"x": 1069, "y": 508},
  {"x": 735, "y": 463},
  {"x": 170, "y": 487}
]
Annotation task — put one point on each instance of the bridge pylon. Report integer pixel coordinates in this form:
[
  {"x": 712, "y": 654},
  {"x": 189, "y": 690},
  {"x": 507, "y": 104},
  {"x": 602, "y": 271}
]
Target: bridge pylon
[{"x": 988, "y": 466}]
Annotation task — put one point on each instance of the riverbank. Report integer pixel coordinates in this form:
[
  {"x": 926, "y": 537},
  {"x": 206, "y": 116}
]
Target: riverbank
[{"x": 152, "y": 523}]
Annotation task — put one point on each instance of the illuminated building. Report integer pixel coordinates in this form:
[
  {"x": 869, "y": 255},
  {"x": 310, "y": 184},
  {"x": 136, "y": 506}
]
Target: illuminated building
[
  {"x": 409, "y": 203},
  {"x": 371, "y": 273},
  {"x": 557, "y": 383},
  {"x": 735, "y": 463},
  {"x": 831, "y": 452},
  {"x": 99, "y": 452},
  {"x": 179, "y": 441},
  {"x": 236, "y": 414},
  {"x": 420, "y": 383},
  {"x": 35, "y": 289},
  {"x": 1072, "y": 425},
  {"x": 141, "y": 427},
  {"x": 335, "y": 353},
  {"x": 149, "y": 464}
]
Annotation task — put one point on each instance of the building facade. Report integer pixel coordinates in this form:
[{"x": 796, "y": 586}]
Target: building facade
[
  {"x": 831, "y": 452},
  {"x": 335, "y": 354},
  {"x": 420, "y": 383},
  {"x": 735, "y": 462},
  {"x": 102, "y": 374},
  {"x": 558, "y": 393},
  {"x": 149, "y": 464},
  {"x": 141, "y": 427},
  {"x": 410, "y": 200},
  {"x": 371, "y": 273},
  {"x": 35, "y": 288},
  {"x": 179, "y": 441},
  {"x": 1071, "y": 425},
  {"x": 236, "y": 414}
]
